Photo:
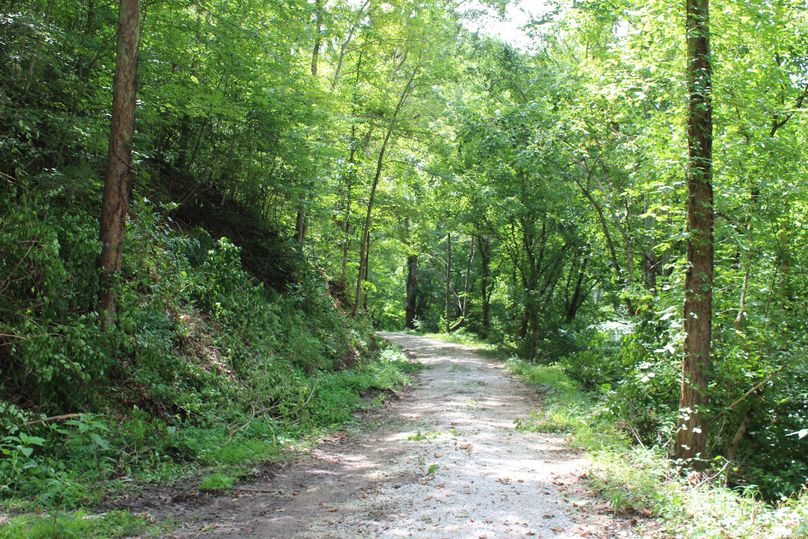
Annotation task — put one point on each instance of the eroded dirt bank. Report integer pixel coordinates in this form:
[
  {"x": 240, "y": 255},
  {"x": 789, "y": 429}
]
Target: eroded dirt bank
[{"x": 446, "y": 461}]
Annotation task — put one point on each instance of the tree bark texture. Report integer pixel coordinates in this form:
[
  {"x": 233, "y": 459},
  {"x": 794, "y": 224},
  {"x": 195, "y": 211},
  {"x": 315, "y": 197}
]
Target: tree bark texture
[
  {"x": 118, "y": 176},
  {"x": 691, "y": 437},
  {"x": 448, "y": 290},
  {"x": 412, "y": 291}
]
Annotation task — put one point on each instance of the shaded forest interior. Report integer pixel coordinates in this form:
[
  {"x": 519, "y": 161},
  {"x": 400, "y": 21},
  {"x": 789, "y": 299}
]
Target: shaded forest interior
[{"x": 200, "y": 263}]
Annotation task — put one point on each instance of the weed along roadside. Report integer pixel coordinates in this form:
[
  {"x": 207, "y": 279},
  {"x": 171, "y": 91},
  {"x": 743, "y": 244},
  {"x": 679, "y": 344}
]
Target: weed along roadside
[{"x": 98, "y": 476}]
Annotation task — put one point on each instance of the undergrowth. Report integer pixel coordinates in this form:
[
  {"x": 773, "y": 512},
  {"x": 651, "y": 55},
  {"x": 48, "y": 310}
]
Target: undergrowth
[
  {"x": 207, "y": 370},
  {"x": 217, "y": 455},
  {"x": 635, "y": 478}
]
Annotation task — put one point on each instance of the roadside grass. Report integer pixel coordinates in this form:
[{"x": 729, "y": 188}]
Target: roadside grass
[
  {"x": 81, "y": 525},
  {"x": 213, "y": 456},
  {"x": 499, "y": 351},
  {"x": 636, "y": 479},
  {"x": 460, "y": 337}
]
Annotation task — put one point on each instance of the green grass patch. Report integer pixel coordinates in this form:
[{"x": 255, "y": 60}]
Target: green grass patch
[
  {"x": 642, "y": 480},
  {"x": 79, "y": 525},
  {"x": 421, "y": 436},
  {"x": 217, "y": 481}
]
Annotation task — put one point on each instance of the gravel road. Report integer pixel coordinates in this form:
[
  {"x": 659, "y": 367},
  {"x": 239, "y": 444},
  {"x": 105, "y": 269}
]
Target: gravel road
[{"x": 445, "y": 462}]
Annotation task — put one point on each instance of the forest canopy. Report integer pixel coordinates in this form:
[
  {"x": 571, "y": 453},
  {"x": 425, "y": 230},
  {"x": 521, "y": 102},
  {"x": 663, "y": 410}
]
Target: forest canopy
[{"x": 623, "y": 197}]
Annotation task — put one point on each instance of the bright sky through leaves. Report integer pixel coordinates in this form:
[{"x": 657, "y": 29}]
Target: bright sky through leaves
[{"x": 510, "y": 28}]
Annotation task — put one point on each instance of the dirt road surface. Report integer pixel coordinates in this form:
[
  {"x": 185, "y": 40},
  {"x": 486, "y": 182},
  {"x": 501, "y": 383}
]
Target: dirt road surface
[{"x": 444, "y": 461}]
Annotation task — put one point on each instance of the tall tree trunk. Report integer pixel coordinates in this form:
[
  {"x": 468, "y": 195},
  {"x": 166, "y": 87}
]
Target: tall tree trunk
[
  {"x": 346, "y": 238},
  {"x": 118, "y": 177},
  {"x": 691, "y": 437},
  {"x": 318, "y": 35},
  {"x": 300, "y": 218},
  {"x": 448, "y": 290},
  {"x": 350, "y": 175},
  {"x": 412, "y": 291},
  {"x": 485, "y": 294},
  {"x": 464, "y": 301},
  {"x": 363, "y": 244},
  {"x": 650, "y": 262},
  {"x": 300, "y": 221}
]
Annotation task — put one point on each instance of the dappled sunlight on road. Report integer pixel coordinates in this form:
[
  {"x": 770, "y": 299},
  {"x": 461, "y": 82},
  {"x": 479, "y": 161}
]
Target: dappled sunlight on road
[{"x": 445, "y": 461}]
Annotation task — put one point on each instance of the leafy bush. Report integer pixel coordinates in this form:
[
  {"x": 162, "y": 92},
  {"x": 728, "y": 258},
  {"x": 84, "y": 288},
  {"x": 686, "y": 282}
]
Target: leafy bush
[{"x": 205, "y": 366}]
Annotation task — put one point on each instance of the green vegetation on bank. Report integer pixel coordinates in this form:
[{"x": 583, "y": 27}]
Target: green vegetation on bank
[
  {"x": 636, "y": 478},
  {"x": 207, "y": 371}
]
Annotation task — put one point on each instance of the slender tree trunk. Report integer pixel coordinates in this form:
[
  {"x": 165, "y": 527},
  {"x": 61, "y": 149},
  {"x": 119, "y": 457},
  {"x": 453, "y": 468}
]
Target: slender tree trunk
[
  {"x": 349, "y": 177},
  {"x": 533, "y": 322},
  {"x": 363, "y": 244},
  {"x": 118, "y": 177},
  {"x": 29, "y": 78},
  {"x": 691, "y": 437},
  {"x": 578, "y": 295},
  {"x": 300, "y": 218},
  {"x": 464, "y": 303},
  {"x": 448, "y": 281},
  {"x": 346, "y": 239},
  {"x": 344, "y": 46},
  {"x": 650, "y": 262},
  {"x": 318, "y": 36},
  {"x": 618, "y": 271},
  {"x": 300, "y": 221},
  {"x": 485, "y": 294},
  {"x": 366, "y": 274},
  {"x": 412, "y": 291}
]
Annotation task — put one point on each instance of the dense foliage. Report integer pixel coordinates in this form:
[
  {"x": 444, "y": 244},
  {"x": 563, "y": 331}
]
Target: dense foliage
[{"x": 303, "y": 170}]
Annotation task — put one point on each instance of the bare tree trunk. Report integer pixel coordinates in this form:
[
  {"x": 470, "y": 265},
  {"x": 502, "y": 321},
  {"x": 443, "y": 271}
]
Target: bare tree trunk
[
  {"x": 448, "y": 280},
  {"x": 485, "y": 293},
  {"x": 412, "y": 291},
  {"x": 118, "y": 177},
  {"x": 300, "y": 219},
  {"x": 691, "y": 437},
  {"x": 363, "y": 244}
]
